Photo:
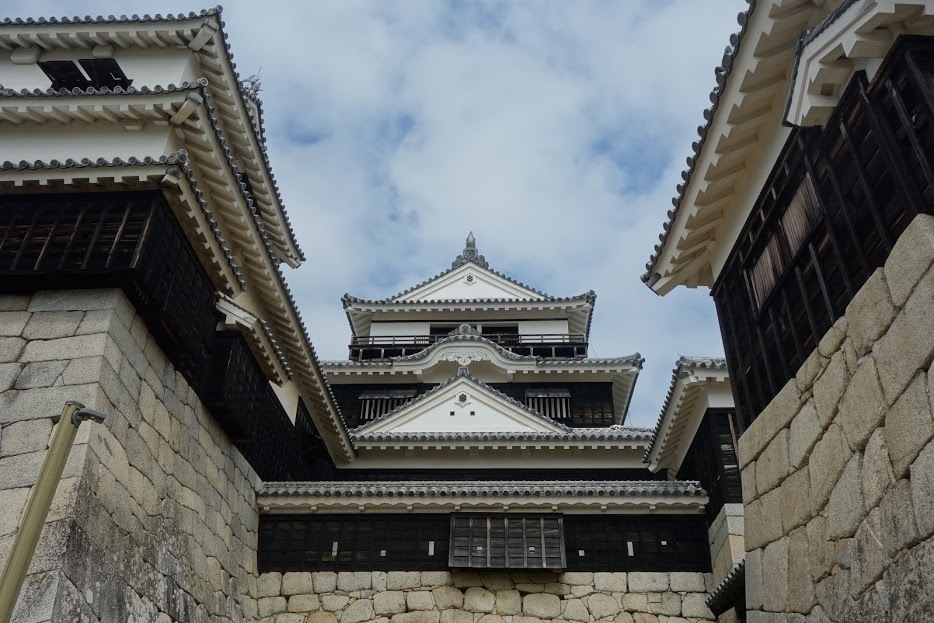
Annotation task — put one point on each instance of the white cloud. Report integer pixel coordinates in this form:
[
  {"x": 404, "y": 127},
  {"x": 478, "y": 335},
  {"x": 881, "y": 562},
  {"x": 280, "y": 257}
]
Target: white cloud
[{"x": 555, "y": 130}]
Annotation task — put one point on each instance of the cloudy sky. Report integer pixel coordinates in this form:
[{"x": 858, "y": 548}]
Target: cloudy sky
[{"x": 555, "y": 130}]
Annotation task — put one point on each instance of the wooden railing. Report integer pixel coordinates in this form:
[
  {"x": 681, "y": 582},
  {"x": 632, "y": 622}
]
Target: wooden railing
[{"x": 550, "y": 345}]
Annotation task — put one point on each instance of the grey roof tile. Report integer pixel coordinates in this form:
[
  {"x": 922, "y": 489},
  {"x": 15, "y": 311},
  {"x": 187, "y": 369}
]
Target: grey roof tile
[{"x": 453, "y": 489}]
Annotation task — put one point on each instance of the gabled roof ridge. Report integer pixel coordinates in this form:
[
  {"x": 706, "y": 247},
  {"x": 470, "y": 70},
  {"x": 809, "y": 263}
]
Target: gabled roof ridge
[
  {"x": 589, "y": 297},
  {"x": 684, "y": 361},
  {"x": 469, "y": 255},
  {"x": 462, "y": 372},
  {"x": 722, "y": 73},
  {"x": 483, "y": 266}
]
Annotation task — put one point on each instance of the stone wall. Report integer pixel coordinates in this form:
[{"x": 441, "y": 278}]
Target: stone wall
[
  {"x": 490, "y": 597},
  {"x": 838, "y": 470},
  {"x": 725, "y": 537},
  {"x": 727, "y": 547},
  {"x": 155, "y": 517}
]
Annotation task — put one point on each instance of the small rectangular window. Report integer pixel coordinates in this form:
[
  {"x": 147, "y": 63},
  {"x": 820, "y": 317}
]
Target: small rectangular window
[
  {"x": 377, "y": 402},
  {"x": 87, "y": 72}
]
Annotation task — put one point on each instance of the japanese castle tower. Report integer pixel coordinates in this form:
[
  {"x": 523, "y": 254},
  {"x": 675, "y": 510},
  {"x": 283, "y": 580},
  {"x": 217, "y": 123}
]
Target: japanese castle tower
[
  {"x": 468, "y": 462},
  {"x": 479, "y": 421}
]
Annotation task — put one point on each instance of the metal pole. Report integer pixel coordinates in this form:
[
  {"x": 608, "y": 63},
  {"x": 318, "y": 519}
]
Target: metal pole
[{"x": 37, "y": 509}]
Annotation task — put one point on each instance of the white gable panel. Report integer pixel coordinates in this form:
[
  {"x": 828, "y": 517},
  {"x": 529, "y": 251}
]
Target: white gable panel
[
  {"x": 475, "y": 408},
  {"x": 469, "y": 282},
  {"x": 472, "y": 416}
]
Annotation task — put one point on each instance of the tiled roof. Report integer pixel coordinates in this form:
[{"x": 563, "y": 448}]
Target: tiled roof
[
  {"x": 111, "y": 19},
  {"x": 684, "y": 363},
  {"x": 723, "y": 596},
  {"x": 609, "y": 433},
  {"x": 201, "y": 87},
  {"x": 470, "y": 255},
  {"x": 722, "y": 73},
  {"x": 441, "y": 489}
]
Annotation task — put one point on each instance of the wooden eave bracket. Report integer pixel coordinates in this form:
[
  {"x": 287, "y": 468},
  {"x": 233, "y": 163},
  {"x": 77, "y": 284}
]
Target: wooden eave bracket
[
  {"x": 207, "y": 31},
  {"x": 192, "y": 102},
  {"x": 25, "y": 56}
]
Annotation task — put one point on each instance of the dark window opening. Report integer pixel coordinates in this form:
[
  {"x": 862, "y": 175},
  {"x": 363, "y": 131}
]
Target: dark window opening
[
  {"x": 420, "y": 542},
  {"x": 636, "y": 543},
  {"x": 711, "y": 460},
  {"x": 87, "y": 72},
  {"x": 353, "y": 542},
  {"x": 506, "y": 541}
]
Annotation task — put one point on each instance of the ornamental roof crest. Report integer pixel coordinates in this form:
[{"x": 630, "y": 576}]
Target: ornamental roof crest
[{"x": 470, "y": 254}]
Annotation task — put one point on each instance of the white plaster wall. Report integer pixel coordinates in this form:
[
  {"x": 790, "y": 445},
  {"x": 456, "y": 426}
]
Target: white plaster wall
[
  {"x": 533, "y": 327},
  {"x": 145, "y": 67},
  {"x": 399, "y": 328},
  {"x": 57, "y": 141},
  {"x": 471, "y": 416},
  {"x": 288, "y": 395}
]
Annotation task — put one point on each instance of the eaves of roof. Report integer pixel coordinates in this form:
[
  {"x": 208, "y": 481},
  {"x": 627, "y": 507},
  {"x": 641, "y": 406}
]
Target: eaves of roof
[
  {"x": 801, "y": 43},
  {"x": 180, "y": 160},
  {"x": 200, "y": 87},
  {"x": 255, "y": 121},
  {"x": 684, "y": 363},
  {"x": 722, "y": 74},
  {"x": 353, "y": 303},
  {"x": 442, "y": 489}
]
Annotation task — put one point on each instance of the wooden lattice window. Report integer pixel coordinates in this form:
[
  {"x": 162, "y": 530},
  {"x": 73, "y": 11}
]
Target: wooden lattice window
[
  {"x": 552, "y": 403},
  {"x": 377, "y": 402},
  {"x": 507, "y": 541}
]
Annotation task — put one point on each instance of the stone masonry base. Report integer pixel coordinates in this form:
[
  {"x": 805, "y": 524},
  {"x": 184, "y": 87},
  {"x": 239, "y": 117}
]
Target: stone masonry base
[
  {"x": 489, "y": 597},
  {"x": 838, "y": 470},
  {"x": 155, "y": 518}
]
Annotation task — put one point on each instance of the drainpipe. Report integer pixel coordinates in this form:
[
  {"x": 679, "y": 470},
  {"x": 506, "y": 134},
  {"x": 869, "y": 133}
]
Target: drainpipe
[{"x": 37, "y": 509}]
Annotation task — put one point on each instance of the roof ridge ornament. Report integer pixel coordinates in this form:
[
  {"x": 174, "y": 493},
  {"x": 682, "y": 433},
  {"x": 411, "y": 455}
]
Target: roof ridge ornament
[{"x": 470, "y": 254}]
